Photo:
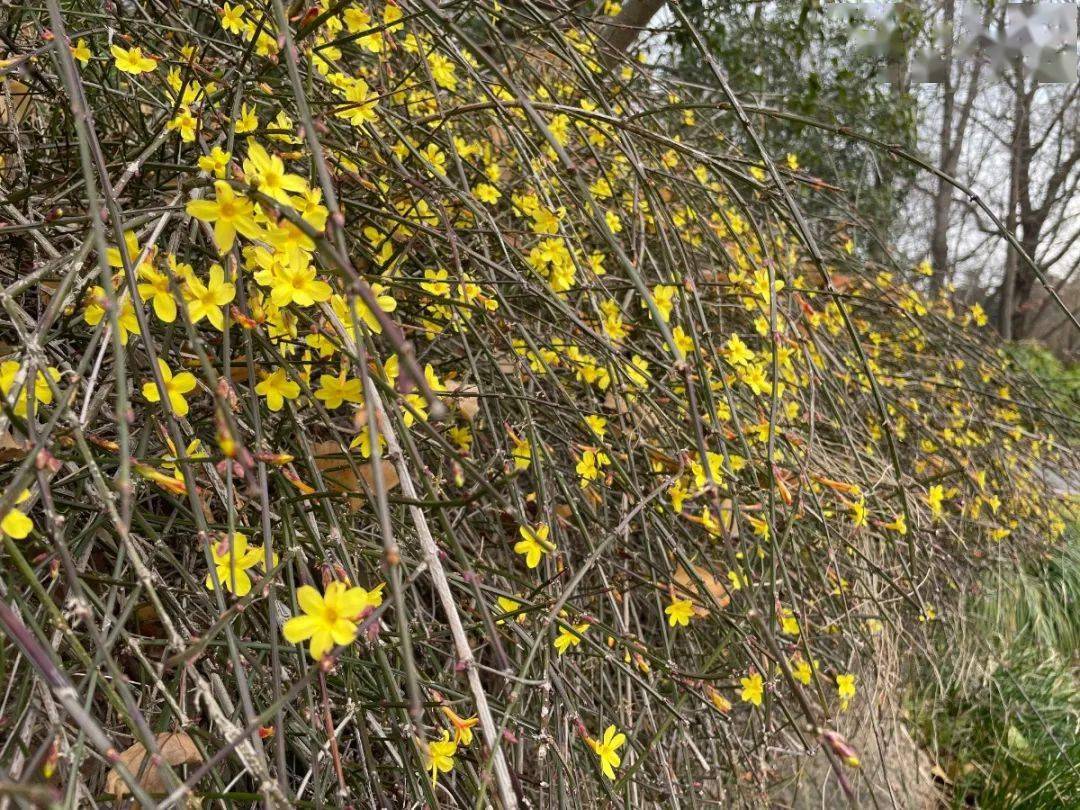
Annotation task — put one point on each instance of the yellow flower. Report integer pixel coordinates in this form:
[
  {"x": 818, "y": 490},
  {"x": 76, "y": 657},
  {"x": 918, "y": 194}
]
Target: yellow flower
[
  {"x": 131, "y": 242},
  {"x": 442, "y": 71},
  {"x": 229, "y": 213},
  {"x": 463, "y": 726},
  {"x": 679, "y": 612},
  {"x": 858, "y": 512},
  {"x": 934, "y": 498},
  {"x": 591, "y": 465},
  {"x": 329, "y": 618},
  {"x": 678, "y": 494},
  {"x": 440, "y": 756},
  {"x": 231, "y": 564},
  {"x": 898, "y": 525},
  {"x": 247, "y": 122},
  {"x": 736, "y": 352},
  {"x": 568, "y": 637},
  {"x": 435, "y": 157},
  {"x": 360, "y": 107},
  {"x": 297, "y": 284},
  {"x": 80, "y": 51},
  {"x": 802, "y": 671},
  {"x": 845, "y": 689},
  {"x": 95, "y": 311},
  {"x": 508, "y": 605},
  {"x": 683, "y": 341},
  {"x": 216, "y": 162},
  {"x": 534, "y": 543},
  {"x": 156, "y": 289},
  {"x": 132, "y": 61},
  {"x": 334, "y": 391},
  {"x": 391, "y": 14},
  {"x": 357, "y": 20},
  {"x": 606, "y": 750},
  {"x": 597, "y": 424},
  {"x": 310, "y": 206},
  {"x": 521, "y": 453},
  {"x": 9, "y": 370},
  {"x": 267, "y": 173},
  {"x": 362, "y": 312},
  {"x": 755, "y": 378},
  {"x": 789, "y": 625},
  {"x": 277, "y": 388},
  {"x": 185, "y": 123},
  {"x": 637, "y": 371},
  {"x": 193, "y": 452},
  {"x": 363, "y": 441},
  {"x": 206, "y": 300},
  {"x": 232, "y": 18},
  {"x": 487, "y": 193},
  {"x": 753, "y": 689},
  {"x": 664, "y": 298},
  {"x": 15, "y": 524},
  {"x": 291, "y": 244},
  {"x": 175, "y": 388}
]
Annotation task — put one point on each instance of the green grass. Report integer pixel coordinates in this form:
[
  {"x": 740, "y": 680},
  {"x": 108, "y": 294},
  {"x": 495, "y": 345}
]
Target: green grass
[
  {"x": 1035, "y": 606},
  {"x": 1002, "y": 714},
  {"x": 1059, "y": 381}
]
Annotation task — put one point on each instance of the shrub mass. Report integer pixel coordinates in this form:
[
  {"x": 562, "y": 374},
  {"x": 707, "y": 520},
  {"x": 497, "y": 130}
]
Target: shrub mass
[{"x": 416, "y": 403}]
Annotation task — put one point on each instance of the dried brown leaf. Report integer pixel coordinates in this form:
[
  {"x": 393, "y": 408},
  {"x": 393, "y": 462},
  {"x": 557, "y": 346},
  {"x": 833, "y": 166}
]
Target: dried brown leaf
[
  {"x": 468, "y": 405},
  {"x": 12, "y": 448},
  {"x": 176, "y": 747},
  {"x": 688, "y": 584},
  {"x": 339, "y": 475}
]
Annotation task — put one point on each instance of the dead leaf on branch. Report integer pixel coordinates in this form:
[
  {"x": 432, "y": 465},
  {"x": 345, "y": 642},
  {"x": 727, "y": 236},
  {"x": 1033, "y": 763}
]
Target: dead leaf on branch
[{"x": 176, "y": 747}]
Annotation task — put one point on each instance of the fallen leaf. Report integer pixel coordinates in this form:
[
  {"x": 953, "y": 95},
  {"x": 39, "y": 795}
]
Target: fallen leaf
[
  {"x": 12, "y": 448},
  {"x": 19, "y": 95},
  {"x": 616, "y": 402},
  {"x": 389, "y": 471},
  {"x": 339, "y": 475},
  {"x": 687, "y": 584},
  {"x": 727, "y": 519},
  {"x": 468, "y": 405},
  {"x": 176, "y": 747}
]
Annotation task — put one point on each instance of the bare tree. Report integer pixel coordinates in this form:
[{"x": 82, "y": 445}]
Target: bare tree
[
  {"x": 1044, "y": 172},
  {"x": 951, "y": 134}
]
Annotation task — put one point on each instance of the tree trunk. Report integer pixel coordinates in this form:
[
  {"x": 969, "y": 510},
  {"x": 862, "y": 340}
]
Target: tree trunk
[
  {"x": 1007, "y": 297},
  {"x": 621, "y": 31},
  {"x": 950, "y": 144}
]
